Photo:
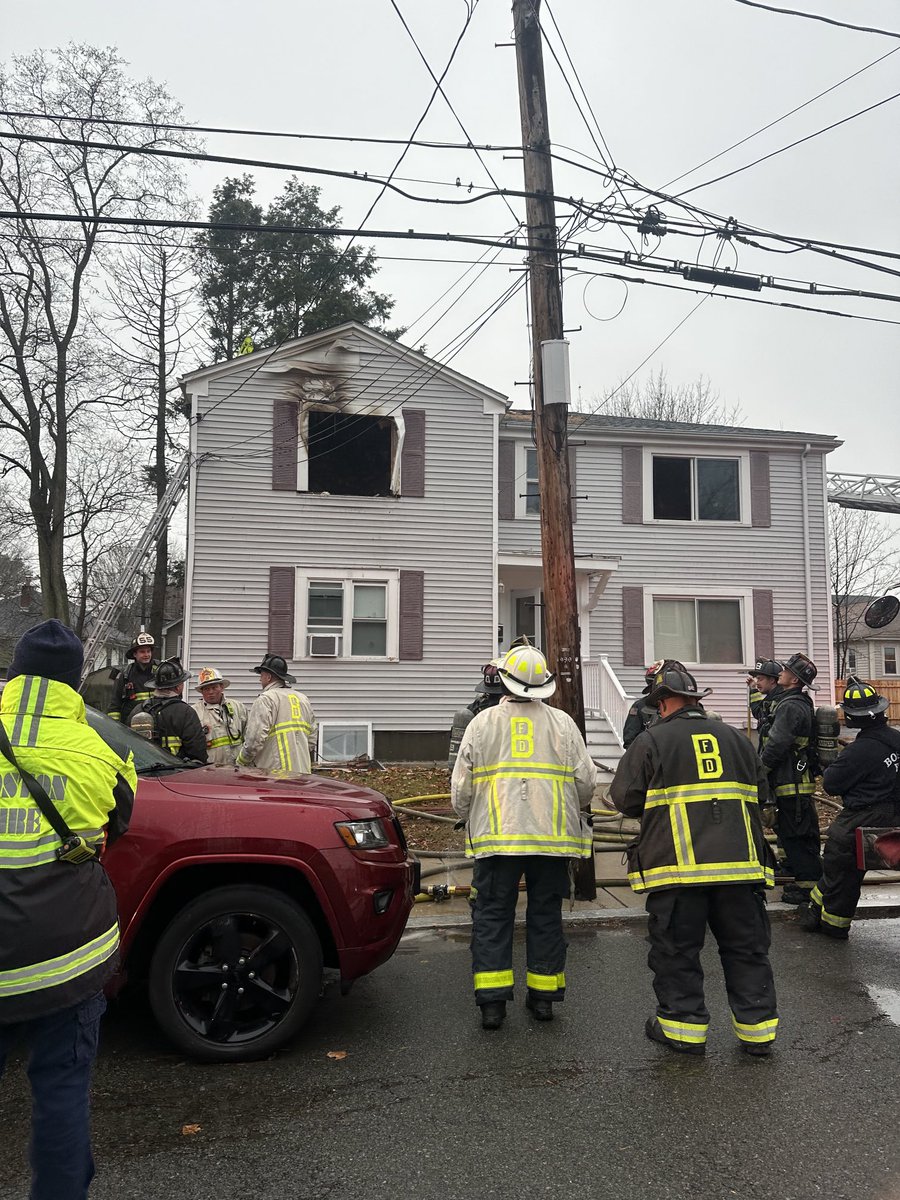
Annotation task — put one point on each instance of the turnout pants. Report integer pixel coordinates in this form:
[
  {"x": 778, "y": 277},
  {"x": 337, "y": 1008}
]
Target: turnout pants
[
  {"x": 496, "y": 884},
  {"x": 61, "y": 1051},
  {"x": 798, "y": 833},
  {"x": 736, "y": 914},
  {"x": 837, "y": 892}
]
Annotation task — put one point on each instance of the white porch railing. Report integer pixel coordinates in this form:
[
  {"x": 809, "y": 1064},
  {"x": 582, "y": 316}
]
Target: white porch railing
[{"x": 604, "y": 693}]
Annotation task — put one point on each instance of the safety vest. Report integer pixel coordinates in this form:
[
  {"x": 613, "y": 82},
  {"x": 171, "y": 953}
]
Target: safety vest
[
  {"x": 694, "y": 783},
  {"x": 281, "y": 732},
  {"x": 58, "y": 925},
  {"x": 224, "y": 727},
  {"x": 521, "y": 780}
]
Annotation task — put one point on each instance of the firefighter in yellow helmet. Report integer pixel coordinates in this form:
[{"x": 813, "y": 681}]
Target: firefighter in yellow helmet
[
  {"x": 521, "y": 782},
  {"x": 223, "y": 721}
]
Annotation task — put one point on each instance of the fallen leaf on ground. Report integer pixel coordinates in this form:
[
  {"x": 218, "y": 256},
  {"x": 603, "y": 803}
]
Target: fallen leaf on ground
[
  {"x": 336, "y": 1054},
  {"x": 187, "y": 1130}
]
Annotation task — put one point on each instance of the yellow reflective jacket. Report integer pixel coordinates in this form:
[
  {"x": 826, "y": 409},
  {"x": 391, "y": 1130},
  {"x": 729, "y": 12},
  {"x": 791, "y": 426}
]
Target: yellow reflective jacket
[
  {"x": 59, "y": 929},
  {"x": 521, "y": 779},
  {"x": 224, "y": 725},
  {"x": 696, "y": 785},
  {"x": 281, "y": 732}
]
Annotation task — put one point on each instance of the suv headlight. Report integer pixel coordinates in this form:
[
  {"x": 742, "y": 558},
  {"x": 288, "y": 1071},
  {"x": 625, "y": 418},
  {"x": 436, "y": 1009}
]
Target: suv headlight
[{"x": 363, "y": 835}]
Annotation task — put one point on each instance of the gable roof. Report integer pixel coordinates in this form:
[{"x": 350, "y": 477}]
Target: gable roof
[{"x": 361, "y": 332}]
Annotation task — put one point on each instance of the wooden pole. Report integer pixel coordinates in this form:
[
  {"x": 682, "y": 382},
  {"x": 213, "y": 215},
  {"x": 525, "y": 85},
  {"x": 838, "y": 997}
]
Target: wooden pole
[{"x": 551, "y": 420}]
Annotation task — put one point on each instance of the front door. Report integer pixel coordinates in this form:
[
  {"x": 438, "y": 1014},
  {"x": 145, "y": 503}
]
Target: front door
[{"x": 528, "y": 617}]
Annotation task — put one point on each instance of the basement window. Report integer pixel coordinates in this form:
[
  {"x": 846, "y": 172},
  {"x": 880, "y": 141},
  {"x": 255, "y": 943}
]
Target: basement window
[{"x": 350, "y": 455}]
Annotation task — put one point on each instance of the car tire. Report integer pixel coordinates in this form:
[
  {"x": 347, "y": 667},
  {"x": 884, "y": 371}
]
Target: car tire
[{"x": 217, "y": 1010}]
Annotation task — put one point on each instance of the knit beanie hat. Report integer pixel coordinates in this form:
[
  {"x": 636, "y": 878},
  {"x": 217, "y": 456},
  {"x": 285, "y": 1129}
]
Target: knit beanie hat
[{"x": 51, "y": 650}]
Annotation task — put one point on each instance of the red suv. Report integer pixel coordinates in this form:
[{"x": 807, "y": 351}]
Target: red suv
[{"x": 236, "y": 888}]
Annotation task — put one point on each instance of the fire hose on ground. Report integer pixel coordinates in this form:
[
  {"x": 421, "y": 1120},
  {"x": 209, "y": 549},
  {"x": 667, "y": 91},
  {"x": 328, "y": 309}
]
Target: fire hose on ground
[{"x": 604, "y": 841}]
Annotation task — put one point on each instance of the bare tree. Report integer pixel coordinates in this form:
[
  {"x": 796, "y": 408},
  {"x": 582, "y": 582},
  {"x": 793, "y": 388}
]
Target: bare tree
[
  {"x": 155, "y": 315},
  {"x": 657, "y": 400},
  {"x": 50, "y": 374},
  {"x": 864, "y": 562}
]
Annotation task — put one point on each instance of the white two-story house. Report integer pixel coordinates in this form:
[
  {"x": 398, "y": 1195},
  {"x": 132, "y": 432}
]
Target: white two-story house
[{"x": 373, "y": 516}]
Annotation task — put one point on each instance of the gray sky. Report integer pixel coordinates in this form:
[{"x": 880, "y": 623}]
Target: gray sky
[{"x": 671, "y": 84}]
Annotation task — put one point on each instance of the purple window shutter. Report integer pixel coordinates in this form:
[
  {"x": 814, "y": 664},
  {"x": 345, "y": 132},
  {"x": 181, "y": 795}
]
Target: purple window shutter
[
  {"x": 763, "y": 623},
  {"x": 412, "y": 615},
  {"x": 633, "y": 626},
  {"x": 412, "y": 461},
  {"x": 760, "y": 492},
  {"x": 281, "y": 612},
  {"x": 633, "y": 487},
  {"x": 573, "y": 483},
  {"x": 285, "y": 436},
  {"x": 506, "y": 480}
]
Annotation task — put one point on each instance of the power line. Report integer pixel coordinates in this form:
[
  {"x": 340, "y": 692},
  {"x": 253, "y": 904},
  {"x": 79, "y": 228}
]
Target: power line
[
  {"x": 790, "y": 146},
  {"x": 793, "y": 12}
]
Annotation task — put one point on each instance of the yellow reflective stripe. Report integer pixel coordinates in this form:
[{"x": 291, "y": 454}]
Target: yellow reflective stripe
[
  {"x": 142, "y": 695},
  {"x": 681, "y": 835},
  {"x": 816, "y": 896},
  {"x": 711, "y": 873},
  {"x": 171, "y": 743},
  {"x": 837, "y": 922},
  {"x": 114, "y": 716},
  {"x": 223, "y": 741},
  {"x": 494, "y": 809},
  {"x": 23, "y": 717},
  {"x": 806, "y": 787},
  {"x": 533, "y": 844},
  {"x": 683, "y": 1031},
  {"x": 284, "y": 752},
  {"x": 492, "y": 979},
  {"x": 290, "y": 726},
  {"x": 545, "y": 983},
  {"x": 657, "y": 797},
  {"x": 762, "y": 1031},
  {"x": 37, "y": 712},
  {"x": 52, "y": 971},
  {"x": 523, "y": 770},
  {"x": 34, "y": 851}
]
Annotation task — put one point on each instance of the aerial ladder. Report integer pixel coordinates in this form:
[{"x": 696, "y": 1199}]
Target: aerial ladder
[
  {"x": 874, "y": 493},
  {"x": 105, "y": 618}
]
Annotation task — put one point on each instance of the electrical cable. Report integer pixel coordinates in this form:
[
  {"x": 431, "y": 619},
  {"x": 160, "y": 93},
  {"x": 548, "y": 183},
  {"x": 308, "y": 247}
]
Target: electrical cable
[{"x": 793, "y": 12}]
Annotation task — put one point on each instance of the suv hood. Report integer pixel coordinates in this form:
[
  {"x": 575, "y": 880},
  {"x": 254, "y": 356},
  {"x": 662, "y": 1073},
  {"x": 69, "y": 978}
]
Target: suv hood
[{"x": 246, "y": 784}]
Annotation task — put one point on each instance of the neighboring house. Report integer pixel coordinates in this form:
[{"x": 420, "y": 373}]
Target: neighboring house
[
  {"x": 871, "y": 653},
  {"x": 17, "y": 613},
  {"x": 373, "y": 516}
]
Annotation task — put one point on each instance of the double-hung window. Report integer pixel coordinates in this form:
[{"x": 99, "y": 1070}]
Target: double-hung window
[
  {"x": 697, "y": 488},
  {"x": 531, "y": 497},
  {"x": 349, "y": 616},
  {"x": 890, "y": 660},
  {"x": 698, "y": 629}
]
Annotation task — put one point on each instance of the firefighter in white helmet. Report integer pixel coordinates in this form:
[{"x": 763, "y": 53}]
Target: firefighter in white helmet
[
  {"x": 522, "y": 781},
  {"x": 223, "y": 721}
]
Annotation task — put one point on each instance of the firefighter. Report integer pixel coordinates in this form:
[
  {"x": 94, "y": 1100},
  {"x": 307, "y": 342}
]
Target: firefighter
[
  {"x": 281, "y": 727},
  {"x": 175, "y": 725},
  {"x": 132, "y": 686},
  {"x": 865, "y": 776},
  {"x": 223, "y": 721},
  {"x": 521, "y": 780},
  {"x": 487, "y": 693},
  {"x": 787, "y": 749},
  {"x": 702, "y": 859},
  {"x": 764, "y": 690},
  {"x": 642, "y": 715},
  {"x": 59, "y": 933}
]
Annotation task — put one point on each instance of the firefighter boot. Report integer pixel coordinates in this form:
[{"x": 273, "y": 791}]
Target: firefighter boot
[
  {"x": 540, "y": 1008},
  {"x": 654, "y": 1032},
  {"x": 757, "y": 1049},
  {"x": 795, "y": 893},
  {"x": 493, "y": 1014},
  {"x": 810, "y": 915}
]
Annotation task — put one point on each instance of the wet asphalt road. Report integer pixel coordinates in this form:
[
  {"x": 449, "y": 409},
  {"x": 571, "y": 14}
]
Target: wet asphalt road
[{"x": 427, "y": 1105}]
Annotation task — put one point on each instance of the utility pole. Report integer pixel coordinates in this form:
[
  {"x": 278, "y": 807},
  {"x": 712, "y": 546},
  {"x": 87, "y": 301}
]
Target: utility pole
[{"x": 551, "y": 410}]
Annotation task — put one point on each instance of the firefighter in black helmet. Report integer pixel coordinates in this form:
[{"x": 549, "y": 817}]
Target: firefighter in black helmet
[
  {"x": 764, "y": 690},
  {"x": 642, "y": 715},
  {"x": 865, "y": 776},
  {"x": 133, "y": 685},
  {"x": 175, "y": 725},
  {"x": 788, "y": 752}
]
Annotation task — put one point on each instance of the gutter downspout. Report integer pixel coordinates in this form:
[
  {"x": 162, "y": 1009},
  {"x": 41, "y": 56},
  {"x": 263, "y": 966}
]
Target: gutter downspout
[{"x": 807, "y": 576}]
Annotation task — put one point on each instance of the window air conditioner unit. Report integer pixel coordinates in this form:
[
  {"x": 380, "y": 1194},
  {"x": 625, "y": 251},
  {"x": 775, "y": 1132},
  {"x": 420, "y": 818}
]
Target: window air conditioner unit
[{"x": 324, "y": 645}]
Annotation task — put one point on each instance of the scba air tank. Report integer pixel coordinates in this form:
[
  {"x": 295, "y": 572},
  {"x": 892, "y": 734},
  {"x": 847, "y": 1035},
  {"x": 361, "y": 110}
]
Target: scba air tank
[{"x": 827, "y": 731}]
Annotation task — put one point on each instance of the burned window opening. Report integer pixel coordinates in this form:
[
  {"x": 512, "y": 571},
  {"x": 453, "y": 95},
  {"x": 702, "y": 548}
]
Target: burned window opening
[{"x": 350, "y": 455}]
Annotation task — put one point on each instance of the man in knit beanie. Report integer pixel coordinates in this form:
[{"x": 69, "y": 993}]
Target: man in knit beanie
[{"x": 59, "y": 931}]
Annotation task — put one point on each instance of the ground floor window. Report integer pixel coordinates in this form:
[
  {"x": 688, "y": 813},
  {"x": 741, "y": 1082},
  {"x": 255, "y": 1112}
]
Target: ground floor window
[
  {"x": 348, "y": 616},
  {"x": 340, "y": 741},
  {"x": 698, "y": 630}
]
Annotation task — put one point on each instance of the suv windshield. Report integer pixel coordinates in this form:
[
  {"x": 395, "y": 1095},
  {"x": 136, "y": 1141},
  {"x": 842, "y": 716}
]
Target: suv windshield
[{"x": 148, "y": 758}]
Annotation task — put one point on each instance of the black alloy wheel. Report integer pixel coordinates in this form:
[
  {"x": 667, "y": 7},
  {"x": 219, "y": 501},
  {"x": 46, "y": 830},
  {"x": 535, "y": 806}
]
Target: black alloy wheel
[{"x": 235, "y": 974}]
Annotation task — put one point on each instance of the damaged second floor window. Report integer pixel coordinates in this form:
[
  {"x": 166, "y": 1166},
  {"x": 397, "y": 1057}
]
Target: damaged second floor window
[{"x": 350, "y": 455}]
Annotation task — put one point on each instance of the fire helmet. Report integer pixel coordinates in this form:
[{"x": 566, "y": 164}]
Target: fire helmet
[
  {"x": 275, "y": 665},
  {"x": 674, "y": 681},
  {"x": 142, "y": 639},
  {"x": 208, "y": 675},
  {"x": 861, "y": 699},
  {"x": 652, "y": 671},
  {"x": 525, "y": 673},
  {"x": 804, "y": 668},
  {"x": 492, "y": 684},
  {"x": 770, "y": 667},
  {"x": 169, "y": 674}
]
